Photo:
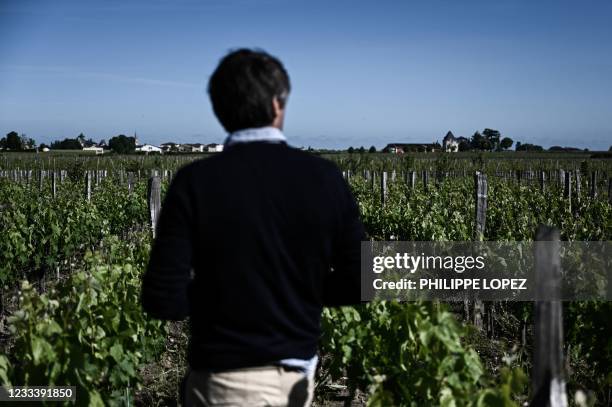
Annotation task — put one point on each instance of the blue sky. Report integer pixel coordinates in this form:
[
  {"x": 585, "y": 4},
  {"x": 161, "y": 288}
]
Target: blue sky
[{"x": 363, "y": 73}]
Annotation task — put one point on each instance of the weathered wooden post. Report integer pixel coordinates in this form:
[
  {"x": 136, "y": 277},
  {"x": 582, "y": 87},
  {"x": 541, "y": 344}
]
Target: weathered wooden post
[
  {"x": 41, "y": 178},
  {"x": 383, "y": 188},
  {"x": 53, "y": 184},
  {"x": 154, "y": 200},
  {"x": 548, "y": 376},
  {"x": 130, "y": 182},
  {"x": 373, "y": 183},
  {"x": 542, "y": 176},
  {"x": 481, "y": 191},
  {"x": 425, "y": 180},
  {"x": 578, "y": 185},
  {"x": 393, "y": 175},
  {"x": 567, "y": 188},
  {"x": 518, "y": 176},
  {"x": 594, "y": 184},
  {"x": 88, "y": 185},
  {"x": 412, "y": 179}
]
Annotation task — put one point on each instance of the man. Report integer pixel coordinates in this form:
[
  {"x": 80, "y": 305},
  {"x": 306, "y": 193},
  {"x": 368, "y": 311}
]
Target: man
[{"x": 270, "y": 235}]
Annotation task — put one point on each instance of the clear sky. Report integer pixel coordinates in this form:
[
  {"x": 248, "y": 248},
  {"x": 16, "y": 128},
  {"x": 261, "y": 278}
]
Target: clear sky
[{"x": 363, "y": 73}]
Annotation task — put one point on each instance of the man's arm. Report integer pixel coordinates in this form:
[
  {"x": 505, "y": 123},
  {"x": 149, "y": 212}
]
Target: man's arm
[
  {"x": 343, "y": 283},
  {"x": 166, "y": 280}
]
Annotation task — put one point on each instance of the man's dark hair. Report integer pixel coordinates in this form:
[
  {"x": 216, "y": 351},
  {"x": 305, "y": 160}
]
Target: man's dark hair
[{"x": 243, "y": 86}]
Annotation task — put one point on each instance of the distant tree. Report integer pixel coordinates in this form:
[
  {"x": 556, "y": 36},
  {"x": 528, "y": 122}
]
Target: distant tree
[
  {"x": 528, "y": 147},
  {"x": 361, "y": 150},
  {"x": 81, "y": 139},
  {"x": 122, "y": 144},
  {"x": 506, "y": 143},
  {"x": 351, "y": 150},
  {"x": 610, "y": 149},
  {"x": 464, "y": 145},
  {"x": 12, "y": 141},
  {"x": 480, "y": 142},
  {"x": 372, "y": 149},
  {"x": 492, "y": 136},
  {"x": 66, "y": 144}
]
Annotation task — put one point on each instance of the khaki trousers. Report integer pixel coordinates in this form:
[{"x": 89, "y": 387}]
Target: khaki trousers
[{"x": 258, "y": 386}]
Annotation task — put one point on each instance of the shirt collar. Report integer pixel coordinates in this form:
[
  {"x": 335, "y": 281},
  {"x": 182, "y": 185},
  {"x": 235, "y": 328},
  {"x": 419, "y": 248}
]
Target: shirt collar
[{"x": 268, "y": 134}]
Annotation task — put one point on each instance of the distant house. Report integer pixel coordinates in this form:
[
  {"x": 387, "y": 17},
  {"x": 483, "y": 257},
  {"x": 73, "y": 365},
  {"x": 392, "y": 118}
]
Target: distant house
[
  {"x": 401, "y": 148},
  {"x": 95, "y": 149},
  {"x": 214, "y": 148},
  {"x": 195, "y": 148},
  {"x": 148, "y": 148},
  {"x": 170, "y": 147},
  {"x": 450, "y": 144}
]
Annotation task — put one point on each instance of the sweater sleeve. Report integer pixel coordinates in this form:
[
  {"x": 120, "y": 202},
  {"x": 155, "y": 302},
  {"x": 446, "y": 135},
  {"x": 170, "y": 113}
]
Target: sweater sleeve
[
  {"x": 343, "y": 282},
  {"x": 168, "y": 274}
]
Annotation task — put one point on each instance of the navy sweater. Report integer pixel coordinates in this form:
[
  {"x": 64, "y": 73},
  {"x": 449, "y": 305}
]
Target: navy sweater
[{"x": 272, "y": 234}]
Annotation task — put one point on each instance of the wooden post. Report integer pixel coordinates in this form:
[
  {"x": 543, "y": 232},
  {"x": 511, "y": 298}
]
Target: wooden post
[
  {"x": 481, "y": 190},
  {"x": 567, "y": 188},
  {"x": 373, "y": 184},
  {"x": 54, "y": 184},
  {"x": 41, "y": 177},
  {"x": 130, "y": 182},
  {"x": 542, "y": 175},
  {"x": 383, "y": 188},
  {"x": 548, "y": 376},
  {"x": 425, "y": 180},
  {"x": 610, "y": 193},
  {"x": 412, "y": 179},
  {"x": 154, "y": 200},
  {"x": 594, "y": 184},
  {"x": 393, "y": 175},
  {"x": 88, "y": 185},
  {"x": 578, "y": 186}
]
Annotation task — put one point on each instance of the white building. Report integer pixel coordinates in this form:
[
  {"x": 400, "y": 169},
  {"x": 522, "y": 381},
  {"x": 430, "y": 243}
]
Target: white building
[
  {"x": 148, "y": 148},
  {"x": 197, "y": 148},
  {"x": 450, "y": 144},
  {"x": 214, "y": 148},
  {"x": 95, "y": 149}
]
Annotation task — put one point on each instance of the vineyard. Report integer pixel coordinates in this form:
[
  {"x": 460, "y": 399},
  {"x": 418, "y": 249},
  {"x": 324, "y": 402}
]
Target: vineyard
[{"x": 76, "y": 233}]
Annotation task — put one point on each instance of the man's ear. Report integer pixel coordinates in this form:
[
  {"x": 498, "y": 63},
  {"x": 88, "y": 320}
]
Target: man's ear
[
  {"x": 278, "y": 109},
  {"x": 279, "y": 113}
]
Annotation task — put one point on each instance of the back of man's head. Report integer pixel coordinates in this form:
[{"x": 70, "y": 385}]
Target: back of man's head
[{"x": 243, "y": 88}]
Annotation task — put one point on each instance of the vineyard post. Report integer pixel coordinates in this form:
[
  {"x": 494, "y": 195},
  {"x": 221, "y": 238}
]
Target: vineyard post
[
  {"x": 53, "y": 184},
  {"x": 542, "y": 175},
  {"x": 154, "y": 200},
  {"x": 41, "y": 177},
  {"x": 593, "y": 184},
  {"x": 393, "y": 175},
  {"x": 130, "y": 184},
  {"x": 548, "y": 376},
  {"x": 348, "y": 175},
  {"x": 567, "y": 188},
  {"x": 88, "y": 185},
  {"x": 383, "y": 188},
  {"x": 610, "y": 190},
  {"x": 425, "y": 180},
  {"x": 518, "y": 176},
  {"x": 481, "y": 191},
  {"x": 578, "y": 186},
  {"x": 412, "y": 179},
  {"x": 373, "y": 180}
]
